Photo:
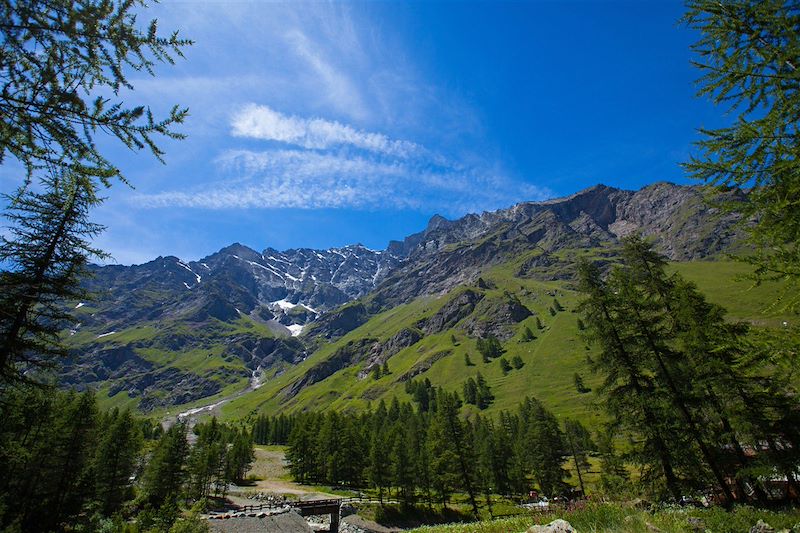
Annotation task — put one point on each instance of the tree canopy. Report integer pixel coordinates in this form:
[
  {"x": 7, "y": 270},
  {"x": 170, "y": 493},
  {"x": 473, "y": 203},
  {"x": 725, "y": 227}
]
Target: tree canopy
[
  {"x": 749, "y": 53},
  {"x": 60, "y": 60}
]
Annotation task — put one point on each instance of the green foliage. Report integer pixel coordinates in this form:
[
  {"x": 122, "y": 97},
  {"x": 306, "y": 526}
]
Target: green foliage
[
  {"x": 505, "y": 366},
  {"x": 539, "y": 324},
  {"x": 748, "y": 54},
  {"x": 272, "y": 430},
  {"x": 431, "y": 454},
  {"x": 58, "y": 57},
  {"x": 685, "y": 385},
  {"x": 579, "y": 386},
  {"x": 47, "y": 249},
  {"x": 166, "y": 472},
  {"x": 623, "y": 518},
  {"x": 61, "y": 461},
  {"x": 527, "y": 335},
  {"x": 467, "y": 360},
  {"x": 489, "y": 347},
  {"x": 517, "y": 362}
]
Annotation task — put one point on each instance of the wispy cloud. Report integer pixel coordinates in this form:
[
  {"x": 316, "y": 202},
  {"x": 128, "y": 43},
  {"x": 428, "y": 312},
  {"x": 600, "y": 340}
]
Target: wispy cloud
[
  {"x": 262, "y": 122},
  {"x": 339, "y": 119},
  {"x": 312, "y": 180}
]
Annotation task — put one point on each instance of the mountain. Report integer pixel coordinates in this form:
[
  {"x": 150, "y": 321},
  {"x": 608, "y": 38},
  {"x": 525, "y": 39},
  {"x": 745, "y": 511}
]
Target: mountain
[{"x": 170, "y": 332}]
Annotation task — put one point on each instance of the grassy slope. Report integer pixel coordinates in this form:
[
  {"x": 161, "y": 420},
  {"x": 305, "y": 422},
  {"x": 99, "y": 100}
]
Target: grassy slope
[
  {"x": 551, "y": 360},
  {"x": 204, "y": 361}
]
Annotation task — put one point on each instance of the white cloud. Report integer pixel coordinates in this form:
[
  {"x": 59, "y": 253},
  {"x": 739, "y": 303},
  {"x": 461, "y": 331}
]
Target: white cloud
[
  {"x": 312, "y": 180},
  {"x": 262, "y": 122}
]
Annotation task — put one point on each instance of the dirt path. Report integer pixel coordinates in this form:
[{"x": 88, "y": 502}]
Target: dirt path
[{"x": 270, "y": 467}]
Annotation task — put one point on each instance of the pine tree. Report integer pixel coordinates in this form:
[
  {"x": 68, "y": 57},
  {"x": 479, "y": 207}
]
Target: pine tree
[
  {"x": 505, "y": 366},
  {"x": 527, "y": 335},
  {"x": 240, "y": 457},
  {"x": 379, "y": 470},
  {"x": 165, "y": 472},
  {"x": 545, "y": 446},
  {"x": 631, "y": 396},
  {"x": 115, "y": 460},
  {"x": 301, "y": 453},
  {"x": 539, "y": 324},
  {"x": 402, "y": 463},
  {"x": 483, "y": 396},
  {"x": 458, "y": 444},
  {"x": 467, "y": 360},
  {"x": 579, "y": 386},
  {"x": 517, "y": 362},
  {"x": 44, "y": 257},
  {"x": 748, "y": 54},
  {"x": 579, "y": 443},
  {"x": 470, "y": 391}
]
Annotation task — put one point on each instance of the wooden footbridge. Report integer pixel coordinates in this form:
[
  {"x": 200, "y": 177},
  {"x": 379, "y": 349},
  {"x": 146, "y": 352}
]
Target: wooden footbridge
[{"x": 330, "y": 507}]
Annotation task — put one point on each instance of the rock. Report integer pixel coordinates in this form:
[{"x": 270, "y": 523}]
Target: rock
[
  {"x": 762, "y": 527},
  {"x": 697, "y": 524},
  {"x": 556, "y": 526}
]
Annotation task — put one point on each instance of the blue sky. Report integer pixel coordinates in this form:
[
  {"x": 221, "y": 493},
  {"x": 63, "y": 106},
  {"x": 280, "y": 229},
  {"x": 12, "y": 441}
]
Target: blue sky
[{"x": 324, "y": 124}]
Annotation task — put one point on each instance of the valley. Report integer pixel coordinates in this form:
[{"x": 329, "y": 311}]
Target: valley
[{"x": 312, "y": 326}]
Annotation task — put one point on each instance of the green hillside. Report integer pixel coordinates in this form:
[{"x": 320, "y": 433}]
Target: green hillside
[{"x": 551, "y": 360}]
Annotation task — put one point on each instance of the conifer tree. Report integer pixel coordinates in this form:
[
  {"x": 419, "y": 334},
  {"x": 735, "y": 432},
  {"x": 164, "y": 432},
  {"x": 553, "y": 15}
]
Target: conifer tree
[
  {"x": 483, "y": 396},
  {"x": 457, "y": 445},
  {"x": 527, "y": 335},
  {"x": 115, "y": 459},
  {"x": 545, "y": 446},
  {"x": 48, "y": 246},
  {"x": 579, "y": 443},
  {"x": 631, "y": 396},
  {"x": 470, "y": 391},
  {"x": 748, "y": 54},
  {"x": 379, "y": 470},
  {"x": 165, "y": 472},
  {"x": 61, "y": 59}
]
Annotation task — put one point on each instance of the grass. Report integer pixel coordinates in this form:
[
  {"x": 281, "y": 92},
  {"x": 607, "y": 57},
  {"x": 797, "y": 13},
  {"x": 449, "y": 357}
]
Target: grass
[
  {"x": 550, "y": 360},
  {"x": 616, "y": 518}
]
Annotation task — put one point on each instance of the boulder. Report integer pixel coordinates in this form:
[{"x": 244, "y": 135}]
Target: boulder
[
  {"x": 762, "y": 527},
  {"x": 556, "y": 526}
]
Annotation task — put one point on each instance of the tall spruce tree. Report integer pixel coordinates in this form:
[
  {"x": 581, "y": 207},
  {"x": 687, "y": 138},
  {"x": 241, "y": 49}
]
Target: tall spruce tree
[
  {"x": 630, "y": 394},
  {"x": 115, "y": 460},
  {"x": 44, "y": 255},
  {"x": 166, "y": 471}
]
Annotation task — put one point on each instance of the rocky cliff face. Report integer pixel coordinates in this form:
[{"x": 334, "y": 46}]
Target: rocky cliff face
[{"x": 448, "y": 253}]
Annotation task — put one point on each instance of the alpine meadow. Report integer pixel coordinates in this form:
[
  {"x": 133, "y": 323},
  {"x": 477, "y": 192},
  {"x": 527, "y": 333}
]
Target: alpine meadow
[{"x": 444, "y": 266}]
